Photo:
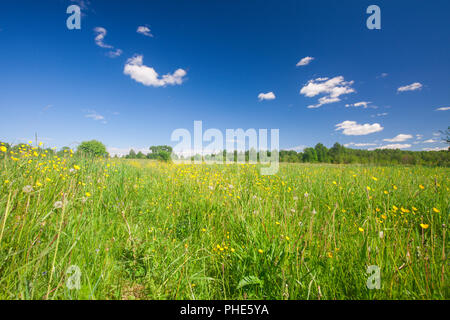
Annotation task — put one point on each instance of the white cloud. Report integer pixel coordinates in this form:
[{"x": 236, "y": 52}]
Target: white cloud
[
  {"x": 430, "y": 141},
  {"x": 351, "y": 128},
  {"x": 305, "y": 61},
  {"x": 114, "y": 53},
  {"x": 100, "y": 36},
  {"x": 297, "y": 148},
  {"x": 144, "y": 30},
  {"x": 411, "y": 87},
  {"x": 443, "y": 109},
  {"x": 331, "y": 88},
  {"x": 435, "y": 149},
  {"x": 364, "y": 104},
  {"x": 92, "y": 114},
  {"x": 83, "y": 4},
  {"x": 148, "y": 76},
  {"x": 266, "y": 96},
  {"x": 353, "y": 144},
  {"x": 99, "y": 40},
  {"x": 399, "y": 138},
  {"x": 383, "y": 75},
  {"x": 419, "y": 136},
  {"x": 394, "y": 146},
  {"x": 47, "y": 107}
]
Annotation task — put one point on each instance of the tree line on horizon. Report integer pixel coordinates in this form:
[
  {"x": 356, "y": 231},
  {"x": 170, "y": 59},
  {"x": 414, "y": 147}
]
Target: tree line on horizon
[{"x": 337, "y": 154}]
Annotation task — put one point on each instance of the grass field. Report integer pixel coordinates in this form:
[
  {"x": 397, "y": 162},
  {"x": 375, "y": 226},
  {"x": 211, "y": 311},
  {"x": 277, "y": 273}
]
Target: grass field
[{"x": 151, "y": 230}]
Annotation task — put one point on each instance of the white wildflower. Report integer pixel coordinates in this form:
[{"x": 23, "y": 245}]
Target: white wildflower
[
  {"x": 58, "y": 205},
  {"x": 27, "y": 189}
]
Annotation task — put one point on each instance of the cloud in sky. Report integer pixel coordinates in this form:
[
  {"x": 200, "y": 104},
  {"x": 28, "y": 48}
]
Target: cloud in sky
[
  {"x": 144, "y": 30},
  {"x": 114, "y": 54},
  {"x": 353, "y": 144},
  {"x": 435, "y": 149},
  {"x": 99, "y": 40},
  {"x": 266, "y": 96},
  {"x": 364, "y": 104},
  {"x": 430, "y": 141},
  {"x": 331, "y": 88},
  {"x": 443, "y": 109},
  {"x": 100, "y": 36},
  {"x": 411, "y": 87},
  {"x": 395, "y": 146},
  {"x": 139, "y": 72},
  {"x": 83, "y": 4},
  {"x": 351, "y": 128},
  {"x": 383, "y": 75},
  {"x": 47, "y": 107},
  {"x": 399, "y": 138},
  {"x": 92, "y": 114},
  {"x": 379, "y": 114},
  {"x": 297, "y": 148},
  {"x": 305, "y": 61}
]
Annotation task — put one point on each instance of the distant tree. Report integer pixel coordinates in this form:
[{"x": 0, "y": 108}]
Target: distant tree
[
  {"x": 309, "y": 155},
  {"x": 92, "y": 148},
  {"x": 446, "y": 135},
  {"x": 131, "y": 155},
  {"x": 162, "y": 153},
  {"x": 158, "y": 149},
  {"x": 140, "y": 155},
  {"x": 322, "y": 153}
]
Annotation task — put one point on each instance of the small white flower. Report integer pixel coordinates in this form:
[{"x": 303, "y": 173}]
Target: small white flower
[
  {"x": 381, "y": 234},
  {"x": 58, "y": 204},
  {"x": 306, "y": 195},
  {"x": 71, "y": 170},
  {"x": 314, "y": 211},
  {"x": 293, "y": 210},
  {"x": 295, "y": 198},
  {"x": 211, "y": 187},
  {"x": 27, "y": 189}
]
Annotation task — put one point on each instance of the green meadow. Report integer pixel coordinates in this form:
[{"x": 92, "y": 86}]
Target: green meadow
[{"x": 76, "y": 228}]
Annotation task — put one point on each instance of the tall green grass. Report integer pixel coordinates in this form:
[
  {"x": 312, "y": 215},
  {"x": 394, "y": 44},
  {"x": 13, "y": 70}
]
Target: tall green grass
[{"x": 149, "y": 230}]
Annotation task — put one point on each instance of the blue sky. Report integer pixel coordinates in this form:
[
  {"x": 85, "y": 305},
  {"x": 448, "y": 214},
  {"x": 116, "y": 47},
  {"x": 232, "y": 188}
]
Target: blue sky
[{"x": 381, "y": 88}]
